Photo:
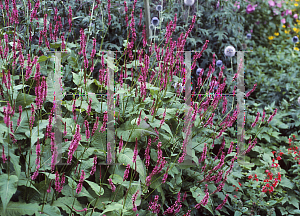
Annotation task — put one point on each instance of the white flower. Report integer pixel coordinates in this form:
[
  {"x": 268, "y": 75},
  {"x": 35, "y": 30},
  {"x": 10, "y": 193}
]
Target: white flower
[
  {"x": 155, "y": 21},
  {"x": 299, "y": 100},
  {"x": 175, "y": 85},
  {"x": 159, "y": 8},
  {"x": 229, "y": 51},
  {"x": 151, "y": 27},
  {"x": 189, "y": 2}
]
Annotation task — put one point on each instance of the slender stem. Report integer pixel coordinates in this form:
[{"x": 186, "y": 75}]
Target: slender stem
[{"x": 187, "y": 19}]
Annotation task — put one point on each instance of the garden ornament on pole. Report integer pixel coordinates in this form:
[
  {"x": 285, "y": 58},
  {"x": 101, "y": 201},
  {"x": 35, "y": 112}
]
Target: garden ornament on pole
[{"x": 147, "y": 19}]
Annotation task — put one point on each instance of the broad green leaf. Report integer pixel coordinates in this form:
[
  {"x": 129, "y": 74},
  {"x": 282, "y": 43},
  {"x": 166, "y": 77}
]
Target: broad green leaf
[
  {"x": 83, "y": 193},
  {"x": 137, "y": 131},
  {"x": 34, "y": 134},
  {"x": 99, "y": 141},
  {"x": 67, "y": 202},
  {"x": 113, "y": 207},
  {"x": 238, "y": 213},
  {"x": 8, "y": 186},
  {"x": 20, "y": 208},
  {"x": 267, "y": 157},
  {"x": 56, "y": 45},
  {"x": 156, "y": 185},
  {"x": 96, "y": 188},
  {"x": 285, "y": 182},
  {"x": 24, "y": 100},
  {"x": 155, "y": 123},
  {"x": 49, "y": 210},
  {"x": 42, "y": 58},
  {"x": 167, "y": 128},
  {"x": 15, "y": 160},
  {"x": 72, "y": 183},
  {"x": 116, "y": 179},
  {"x": 126, "y": 157},
  {"x": 198, "y": 194},
  {"x": 24, "y": 124},
  {"x": 72, "y": 60},
  {"x": 132, "y": 190},
  {"x": 26, "y": 182},
  {"x": 78, "y": 78}
]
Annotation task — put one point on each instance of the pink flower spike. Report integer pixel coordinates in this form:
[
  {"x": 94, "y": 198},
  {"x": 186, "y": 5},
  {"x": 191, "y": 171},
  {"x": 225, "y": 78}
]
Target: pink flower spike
[
  {"x": 113, "y": 188},
  {"x": 94, "y": 166},
  {"x": 126, "y": 172},
  {"x": 3, "y": 155},
  {"x": 295, "y": 16},
  {"x": 70, "y": 18},
  {"x": 271, "y": 3},
  {"x": 81, "y": 180},
  {"x": 87, "y": 130},
  {"x": 135, "y": 151},
  {"x": 279, "y": 4},
  {"x": 120, "y": 145}
]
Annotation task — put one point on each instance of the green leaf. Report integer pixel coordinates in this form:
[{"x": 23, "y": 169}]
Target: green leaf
[
  {"x": 238, "y": 213},
  {"x": 96, "y": 188},
  {"x": 56, "y": 45},
  {"x": 84, "y": 193},
  {"x": 34, "y": 135},
  {"x": 42, "y": 58},
  {"x": 72, "y": 183},
  {"x": 14, "y": 159},
  {"x": 116, "y": 179},
  {"x": 198, "y": 194},
  {"x": 8, "y": 186},
  {"x": 24, "y": 101},
  {"x": 26, "y": 182},
  {"x": 78, "y": 78},
  {"x": 99, "y": 141},
  {"x": 266, "y": 136},
  {"x": 126, "y": 157},
  {"x": 285, "y": 182},
  {"x": 24, "y": 124},
  {"x": 191, "y": 41},
  {"x": 67, "y": 202},
  {"x": 167, "y": 128},
  {"x": 156, "y": 185},
  {"x": 132, "y": 190},
  {"x": 20, "y": 208},
  {"x": 113, "y": 207},
  {"x": 295, "y": 212},
  {"x": 140, "y": 131},
  {"x": 267, "y": 157},
  {"x": 49, "y": 210}
]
